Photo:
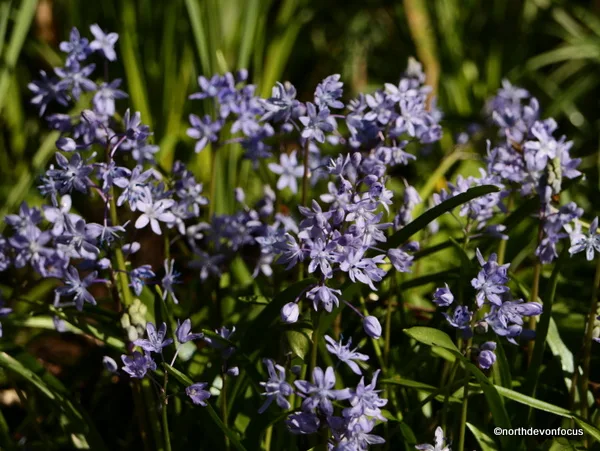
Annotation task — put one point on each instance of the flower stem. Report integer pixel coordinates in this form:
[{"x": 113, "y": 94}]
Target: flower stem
[
  {"x": 587, "y": 344},
  {"x": 224, "y": 413},
  {"x": 465, "y": 403},
  {"x": 305, "y": 176}
]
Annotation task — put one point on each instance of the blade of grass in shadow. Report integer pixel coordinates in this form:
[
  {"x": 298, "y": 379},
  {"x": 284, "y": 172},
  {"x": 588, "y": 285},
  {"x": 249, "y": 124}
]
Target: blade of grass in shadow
[
  {"x": 20, "y": 189},
  {"x": 17, "y": 38},
  {"x": 136, "y": 84},
  {"x": 79, "y": 424}
]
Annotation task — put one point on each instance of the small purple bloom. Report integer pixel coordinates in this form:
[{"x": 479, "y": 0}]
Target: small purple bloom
[
  {"x": 78, "y": 288},
  {"x": 345, "y": 354},
  {"x": 156, "y": 338},
  {"x": 290, "y": 313},
  {"x": 486, "y": 356},
  {"x": 104, "y": 42},
  {"x": 443, "y": 297},
  {"x": 321, "y": 392},
  {"x": 276, "y": 388},
  {"x": 288, "y": 170},
  {"x": 197, "y": 393},
  {"x": 372, "y": 327},
  {"x": 183, "y": 332},
  {"x": 138, "y": 364}
]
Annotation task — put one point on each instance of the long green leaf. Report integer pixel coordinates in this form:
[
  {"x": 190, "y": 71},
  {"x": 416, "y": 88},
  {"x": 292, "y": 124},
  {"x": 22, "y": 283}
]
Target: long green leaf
[
  {"x": 431, "y": 215},
  {"x": 83, "y": 432}
]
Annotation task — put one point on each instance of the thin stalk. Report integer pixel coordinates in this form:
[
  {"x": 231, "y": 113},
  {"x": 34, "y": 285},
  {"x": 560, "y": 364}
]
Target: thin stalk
[
  {"x": 535, "y": 288},
  {"x": 315, "y": 343},
  {"x": 224, "y": 413},
  {"x": 165, "y": 421},
  {"x": 465, "y": 403},
  {"x": 305, "y": 175},
  {"x": 213, "y": 181},
  {"x": 587, "y": 344}
]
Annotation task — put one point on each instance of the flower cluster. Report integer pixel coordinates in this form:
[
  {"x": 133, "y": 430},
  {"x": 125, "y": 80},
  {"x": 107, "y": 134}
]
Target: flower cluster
[
  {"x": 349, "y": 431},
  {"x": 530, "y": 158},
  {"x": 504, "y": 316}
]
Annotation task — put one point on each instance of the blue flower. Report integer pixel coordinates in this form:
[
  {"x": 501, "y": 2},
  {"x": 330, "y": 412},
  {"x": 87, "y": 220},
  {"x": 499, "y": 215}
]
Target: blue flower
[
  {"x": 276, "y": 388},
  {"x": 345, "y": 354},
  {"x": 138, "y": 278},
  {"x": 197, "y": 393},
  {"x": 461, "y": 319},
  {"x": 486, "y": 356},
  {"x": 443, "y": 297},
  {"x": 365, "y": 400},
  {"x": 589, "y": 242},
  {"x": 320, "y": 392},
  {"x": 507, "y": 319},
  {"x": 328, "y": 92},
  {"x": 77, "y": 47},
  {"x": 104, "y": 99},
  {"x": 156, "y": 339},
  {"x": 138, "y": 364},
  {"x": 490, "y": 281},
  {"x": 183, "y": 332},
  {"x": 104, "y": 42},
  {"x": 439, "y": 442},
  {"x": 316, "y": 124},
  {"x": 288, "y": 170},
  {"x": 204, "y": 130}
]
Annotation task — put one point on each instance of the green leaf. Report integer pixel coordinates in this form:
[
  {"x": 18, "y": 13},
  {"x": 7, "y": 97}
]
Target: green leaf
[
  {"x": 543, "y": 327},
  {"x": 437, "y": 392},
  {"x": 532, "y": 402},
  {"x": 83, "y": 432},
  {"x": 401, "y": 236},
  {"x": 432, "y": 337},
  {"x": 299, "y": 342},
  {"x": 486, "y": 443}
]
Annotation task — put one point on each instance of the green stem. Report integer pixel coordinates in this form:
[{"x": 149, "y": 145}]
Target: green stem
[
  {"x": 305, "y": 175},
  {"x": 224, "y": 413},
  {"x": 165, "y": 422},
  {"x": 587, "y": 344},
  {"x": 315, "y": 342},
  {"x": 465, "y": 403}
]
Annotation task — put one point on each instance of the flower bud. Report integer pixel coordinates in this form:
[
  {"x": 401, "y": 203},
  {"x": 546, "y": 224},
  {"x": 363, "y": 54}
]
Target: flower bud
[
  {"x": 233, "y": 371},
  {"x": 372, "y": 327},
  {"x": 110, "y": 364},
  {"x": 290, "y": 313}
]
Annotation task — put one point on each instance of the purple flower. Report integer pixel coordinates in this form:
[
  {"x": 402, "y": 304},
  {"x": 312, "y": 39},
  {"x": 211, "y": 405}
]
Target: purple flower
[
  {"x": 290, "y": 313},
  {"x": 362, "y": 268},
  {"x": 490, "y": 281},
  {"x": 138, "y": 364},
  {"x": 589, "y": 242},
  {"x": 276, "y": 388},
  {"x": 322, "y": 294},
  {"x": 104, "y": 99},
  {"x": 461, "y": 319},
  {"x": 288, "y": 170},
  {"x": 31, "y": 247},
  {"x": 328, "y": 91},
  {"x": 372, "y": 327},
  {"x": 77, "y": 47},
  {"x": 204, "y": 130},
  {"x": 197, "y": 393},
  {"x": 183, "y": 332},
  {"x": 152, "y": 212},
  {"x": 78, "y": 288},
  {"x": 104, "y": 42},
  {"x": 303, "y": 423},
  {"x": 345, "y": 354},
  {"x": 136, "y": 190},
  {"x": 320, "y": 392},
  {"x": 439, "y": 442},
  {"x": 365, "y": 400},
  {"x": 401, "y": 260},
  {"x": 47, "y": 90},
  {"x": 138, "y": 278},
  {"x": 27, "y": 217},
  {"x": 73, "y": 173},
  {"x": 316, "y": 125},
  {"x": 169, "y": 279},
  {"x": 110, "y": 364},
  {"x": 156, "y": 338},
  {"x": 507, "y": 319},
  {"x": 443, "y": 297},
  {"x": 282, "y": 104},
  {"x": 486, "y": 356}
]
